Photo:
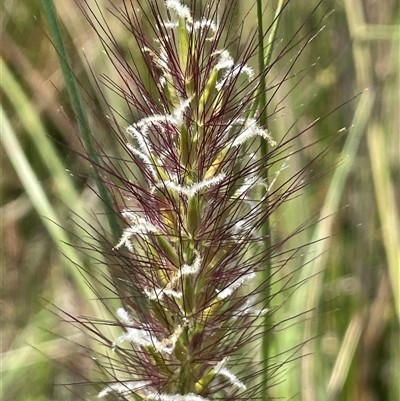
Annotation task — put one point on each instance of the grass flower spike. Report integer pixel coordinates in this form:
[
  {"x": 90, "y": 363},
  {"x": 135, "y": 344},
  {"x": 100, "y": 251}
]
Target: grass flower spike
[{"x": 188, "y": 192}]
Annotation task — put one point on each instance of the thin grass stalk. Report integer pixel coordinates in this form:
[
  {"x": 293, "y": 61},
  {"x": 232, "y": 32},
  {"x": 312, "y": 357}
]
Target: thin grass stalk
[
  {"x": 345, "y": 357},
  {"x": 29, "y": 119},
  {"x": 77, "y": 104},
  {"x": 264, "y": 58},
  {"x": 265, "y": 229}
]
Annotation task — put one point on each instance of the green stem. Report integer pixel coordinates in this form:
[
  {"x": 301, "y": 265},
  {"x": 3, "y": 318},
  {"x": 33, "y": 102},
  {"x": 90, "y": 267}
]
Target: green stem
[
  {"x": 264, "y": 58},
  {"x": 72, "y": 88},
  {"x": 77, "y": 104},
  {"x": 265, "y": 54}
]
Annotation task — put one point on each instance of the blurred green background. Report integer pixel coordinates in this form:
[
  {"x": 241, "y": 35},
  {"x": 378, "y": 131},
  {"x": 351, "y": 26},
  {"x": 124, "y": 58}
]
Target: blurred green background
[{"x": 353, "y": 297}]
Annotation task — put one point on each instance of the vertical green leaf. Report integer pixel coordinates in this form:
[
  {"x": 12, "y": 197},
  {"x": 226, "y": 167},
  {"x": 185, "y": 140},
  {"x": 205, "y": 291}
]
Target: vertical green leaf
[
  {"x": 77, "y": 104},
  {"x": 264, "y": 57}
]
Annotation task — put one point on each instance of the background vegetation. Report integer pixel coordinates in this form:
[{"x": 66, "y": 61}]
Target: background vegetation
[{"x": 353, "y": 294}]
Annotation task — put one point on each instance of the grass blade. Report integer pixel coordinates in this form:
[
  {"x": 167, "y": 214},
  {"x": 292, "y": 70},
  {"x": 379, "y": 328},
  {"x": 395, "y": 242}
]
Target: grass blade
[{"x": 77, "y": 104}]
